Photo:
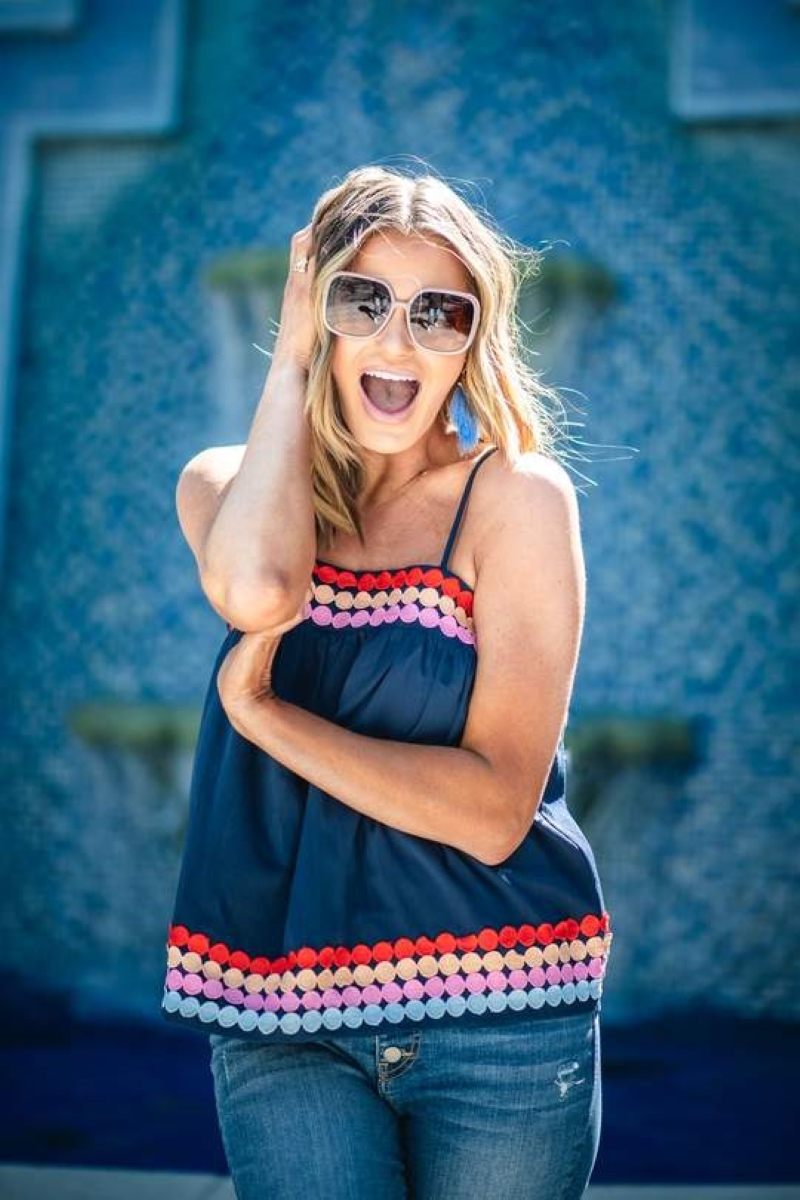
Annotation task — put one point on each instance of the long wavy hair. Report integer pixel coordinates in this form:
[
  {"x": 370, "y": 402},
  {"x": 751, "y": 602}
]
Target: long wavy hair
[{"x": 508, "y": 400}]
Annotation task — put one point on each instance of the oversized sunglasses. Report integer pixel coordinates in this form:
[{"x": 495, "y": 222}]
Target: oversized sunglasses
[{"x": 359, "y": 306}]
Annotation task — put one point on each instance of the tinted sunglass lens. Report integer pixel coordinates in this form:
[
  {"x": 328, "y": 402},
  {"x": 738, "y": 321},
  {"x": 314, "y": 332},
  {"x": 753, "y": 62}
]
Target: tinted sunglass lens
[
  {"x": 442, "y": 321},
  {"x": 356, "y": 307}
]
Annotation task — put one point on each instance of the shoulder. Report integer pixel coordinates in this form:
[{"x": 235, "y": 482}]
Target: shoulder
[
  {"x": 532, "y": 473},
  {"x": 524, "y": 504}
]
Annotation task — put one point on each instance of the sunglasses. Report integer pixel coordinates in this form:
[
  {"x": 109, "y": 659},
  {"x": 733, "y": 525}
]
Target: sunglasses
[{"x": 359, "y": 306}]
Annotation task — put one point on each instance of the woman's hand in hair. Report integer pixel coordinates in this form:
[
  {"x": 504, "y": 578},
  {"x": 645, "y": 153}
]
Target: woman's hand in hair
[{"x": 297, "y": 331}]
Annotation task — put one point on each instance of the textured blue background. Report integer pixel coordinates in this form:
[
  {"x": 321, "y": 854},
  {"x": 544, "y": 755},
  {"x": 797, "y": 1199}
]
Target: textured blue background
[{"x": 222, "y": 138}]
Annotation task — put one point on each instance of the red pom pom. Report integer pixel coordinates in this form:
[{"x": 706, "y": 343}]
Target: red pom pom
[
  {"x": 487, "y": 939},
  {"x": 433, "y": 577},
  {"x": 306, "y": 957}
]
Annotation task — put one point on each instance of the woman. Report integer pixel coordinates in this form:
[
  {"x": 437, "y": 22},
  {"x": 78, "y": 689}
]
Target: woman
[{"x": 387, "y": 920}]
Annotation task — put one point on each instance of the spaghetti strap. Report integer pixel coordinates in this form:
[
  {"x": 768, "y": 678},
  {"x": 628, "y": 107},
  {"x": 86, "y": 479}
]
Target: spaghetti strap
[{"x": 462, "y": 504}]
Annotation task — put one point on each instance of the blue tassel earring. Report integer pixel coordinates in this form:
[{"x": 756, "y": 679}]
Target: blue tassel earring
[{"x": 465, "y": 421}]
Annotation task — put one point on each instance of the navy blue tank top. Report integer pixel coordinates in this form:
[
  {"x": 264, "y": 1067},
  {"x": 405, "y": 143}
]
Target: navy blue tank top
[{"x": 298, "y": 917}]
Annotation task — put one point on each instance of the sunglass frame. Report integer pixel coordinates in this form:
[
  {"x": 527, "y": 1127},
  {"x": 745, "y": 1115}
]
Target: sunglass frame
[{"x": 406, "y": 304}]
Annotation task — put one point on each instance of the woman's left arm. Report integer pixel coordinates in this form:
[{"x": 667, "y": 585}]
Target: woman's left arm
[{"x": 481, "y": 796}]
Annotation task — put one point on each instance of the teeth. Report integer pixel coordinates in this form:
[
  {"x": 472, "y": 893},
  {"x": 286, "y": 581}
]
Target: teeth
[{"x": 390, "y": 375}]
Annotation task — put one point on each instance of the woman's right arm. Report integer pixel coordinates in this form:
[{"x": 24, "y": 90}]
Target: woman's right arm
[
  {"x": 202, "y": 485},
  {"x": 253, "y": 507}
]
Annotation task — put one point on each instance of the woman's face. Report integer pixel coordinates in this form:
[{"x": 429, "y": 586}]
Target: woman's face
[{"x": 408, "y": 263}]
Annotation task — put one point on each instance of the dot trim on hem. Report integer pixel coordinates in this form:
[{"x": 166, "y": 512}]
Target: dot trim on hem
[{"x": 409, "y": 978}]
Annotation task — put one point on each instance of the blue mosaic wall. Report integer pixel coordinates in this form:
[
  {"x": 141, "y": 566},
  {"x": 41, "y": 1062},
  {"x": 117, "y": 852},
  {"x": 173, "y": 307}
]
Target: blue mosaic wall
[{"x": 560, "y": 114}]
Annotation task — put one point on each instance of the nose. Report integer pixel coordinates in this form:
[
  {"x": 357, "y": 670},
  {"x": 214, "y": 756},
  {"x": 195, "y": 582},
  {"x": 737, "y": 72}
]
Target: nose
[{"x": 395, "y": 332}]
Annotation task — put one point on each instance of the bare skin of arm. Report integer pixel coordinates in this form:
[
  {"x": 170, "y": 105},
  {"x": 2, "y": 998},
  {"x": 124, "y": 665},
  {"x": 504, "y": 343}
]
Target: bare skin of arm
[
  {"x": 203, "y": 484},
  {"x": 259, "y": 551},
  {"x": 247, "y": 511}
]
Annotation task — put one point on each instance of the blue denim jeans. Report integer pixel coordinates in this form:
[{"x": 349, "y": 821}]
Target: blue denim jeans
[{"x": 511, "y": 1111}]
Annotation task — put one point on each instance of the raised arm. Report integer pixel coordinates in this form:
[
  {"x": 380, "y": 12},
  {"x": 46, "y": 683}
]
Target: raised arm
[{"x": 249, "y": 509}]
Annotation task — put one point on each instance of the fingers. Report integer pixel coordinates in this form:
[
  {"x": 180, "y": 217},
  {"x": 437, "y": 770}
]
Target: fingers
[
  {"x": 301, "y": 248},
  {"x": 302, "y": 235}
]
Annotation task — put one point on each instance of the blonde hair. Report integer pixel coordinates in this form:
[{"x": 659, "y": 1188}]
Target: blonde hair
[{"x": 506, "y": 396}]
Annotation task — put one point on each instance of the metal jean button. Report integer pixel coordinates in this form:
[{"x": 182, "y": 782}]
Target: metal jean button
[{"x": 392, "y": 1054}]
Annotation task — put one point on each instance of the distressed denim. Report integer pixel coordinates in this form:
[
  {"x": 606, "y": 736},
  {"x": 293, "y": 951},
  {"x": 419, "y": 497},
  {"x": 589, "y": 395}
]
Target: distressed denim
[{"x": 511, "y": 1111}]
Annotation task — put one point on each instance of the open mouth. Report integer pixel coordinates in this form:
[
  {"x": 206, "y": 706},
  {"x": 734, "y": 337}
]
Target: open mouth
[{"x": 389, "y": 395}]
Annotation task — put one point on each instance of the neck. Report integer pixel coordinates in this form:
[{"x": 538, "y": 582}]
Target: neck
[{"x": 386, "y": 474}]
